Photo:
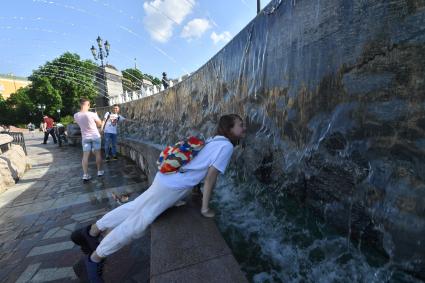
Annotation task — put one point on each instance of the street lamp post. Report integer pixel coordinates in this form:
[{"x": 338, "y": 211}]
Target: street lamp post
[
  {"x": 258, "y": 6},
  {"x": 100, "y": 56},
  {"x": 59, "y": 114},
  {"x": 41, "y": 107}
]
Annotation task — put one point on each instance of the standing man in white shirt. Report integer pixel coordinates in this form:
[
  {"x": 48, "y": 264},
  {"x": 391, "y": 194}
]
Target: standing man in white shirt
[
  {"x": 88, "y": 122},
  {"x": 109, "y": 125}
]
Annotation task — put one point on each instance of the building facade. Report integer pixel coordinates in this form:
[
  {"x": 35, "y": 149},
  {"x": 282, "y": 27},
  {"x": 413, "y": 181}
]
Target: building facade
[{"x": 10, "y": 84}]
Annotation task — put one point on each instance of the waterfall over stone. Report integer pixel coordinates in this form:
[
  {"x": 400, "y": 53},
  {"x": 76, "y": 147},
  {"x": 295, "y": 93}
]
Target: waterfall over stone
[{"x": 329, "y": 184}]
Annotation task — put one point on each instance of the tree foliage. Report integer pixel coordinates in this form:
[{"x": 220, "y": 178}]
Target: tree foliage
[
  {"x": 59, "y": 84},
  {"x": 19, "y": 107},
  {"x": 133, "y": 79},
  {"x": 153, "y": 79},
  {"x": 71, "y": 77},
  {"x": 4, "y": 109},
  {"x": 43, "y": 92}
]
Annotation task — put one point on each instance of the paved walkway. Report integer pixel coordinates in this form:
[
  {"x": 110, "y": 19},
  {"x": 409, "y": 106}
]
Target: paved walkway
[{"x": 38, "y": 214}]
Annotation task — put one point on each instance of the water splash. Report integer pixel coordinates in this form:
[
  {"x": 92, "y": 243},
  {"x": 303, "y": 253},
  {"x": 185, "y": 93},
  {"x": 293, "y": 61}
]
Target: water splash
[{"x": 285, "y": 243}]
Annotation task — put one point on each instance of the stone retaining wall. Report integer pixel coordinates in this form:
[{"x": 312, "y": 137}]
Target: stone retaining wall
[{"x": 143, "y": 153}]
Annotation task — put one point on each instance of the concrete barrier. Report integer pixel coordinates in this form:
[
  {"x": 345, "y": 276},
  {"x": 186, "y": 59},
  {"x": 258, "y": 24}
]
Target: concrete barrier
[{"x": 185, "y": 247}]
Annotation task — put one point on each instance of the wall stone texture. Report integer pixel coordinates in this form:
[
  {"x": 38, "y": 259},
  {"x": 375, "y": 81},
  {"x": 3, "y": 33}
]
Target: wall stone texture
[
  {"x": 333, "y": 94},
  {"x": 144, "y": 154}
]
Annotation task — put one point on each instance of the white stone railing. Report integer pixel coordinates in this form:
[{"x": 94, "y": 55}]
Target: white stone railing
[{"x": 145, "y": 91}]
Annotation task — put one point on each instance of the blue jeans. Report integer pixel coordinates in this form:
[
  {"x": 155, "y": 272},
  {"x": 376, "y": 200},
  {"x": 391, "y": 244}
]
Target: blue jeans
[{"x": 110, "y": 140}]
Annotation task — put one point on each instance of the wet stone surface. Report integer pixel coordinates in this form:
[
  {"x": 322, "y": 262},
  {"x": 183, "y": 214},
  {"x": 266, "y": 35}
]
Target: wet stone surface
[{"x": 38, "y": 214}]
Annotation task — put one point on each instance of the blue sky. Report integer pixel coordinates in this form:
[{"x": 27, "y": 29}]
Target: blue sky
[{"x": 176, "y": 36}]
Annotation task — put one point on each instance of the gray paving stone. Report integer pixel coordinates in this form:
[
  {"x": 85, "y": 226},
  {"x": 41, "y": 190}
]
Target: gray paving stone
[
  {"x": 28, "y": 273},
  {"x": 70, "y": 227},
  {"x": 38, "y": 212},
  {"x": 179, "y": 225},
  {"x": 51, "y": 232},
  {"x": 88, "y": 214},
  {"x": 61, "y": 233},
  {"x": 7, "y": 236},
  {"x": 57, "y": 232},
  {"x": 218, "y": 270},
  {"x": 51, "y": 248},
  {"x": 51, "y": 274},
  {"x": 71, "y": 199}
]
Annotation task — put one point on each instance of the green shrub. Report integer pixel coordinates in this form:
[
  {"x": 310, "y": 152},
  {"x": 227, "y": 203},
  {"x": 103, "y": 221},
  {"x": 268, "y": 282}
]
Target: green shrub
[{"x": 67, "y": 120}]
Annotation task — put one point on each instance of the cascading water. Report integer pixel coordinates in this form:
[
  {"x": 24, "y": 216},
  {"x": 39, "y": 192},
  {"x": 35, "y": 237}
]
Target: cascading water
[
  {"x": 283, "y": 241},
  {"x": 332, "y": 165}
]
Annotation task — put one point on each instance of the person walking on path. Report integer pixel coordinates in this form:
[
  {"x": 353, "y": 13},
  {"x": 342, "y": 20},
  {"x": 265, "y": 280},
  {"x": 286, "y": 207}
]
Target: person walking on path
[
  {"x": 48, "y": 129},
  {"x": 109, "y": 125},
  {"x": 129, "y": 221},
  {"x": 90, "y": 137},
  {"x": 31, "y": 128}
]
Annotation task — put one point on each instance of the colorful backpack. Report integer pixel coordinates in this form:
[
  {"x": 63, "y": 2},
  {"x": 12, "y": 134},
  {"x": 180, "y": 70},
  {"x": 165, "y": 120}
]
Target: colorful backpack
[{"x": 173, "y": 157}]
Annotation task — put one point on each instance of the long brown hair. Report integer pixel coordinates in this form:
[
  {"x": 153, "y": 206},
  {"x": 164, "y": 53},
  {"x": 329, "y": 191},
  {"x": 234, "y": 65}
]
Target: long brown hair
[{"x": 225, "y": 124}]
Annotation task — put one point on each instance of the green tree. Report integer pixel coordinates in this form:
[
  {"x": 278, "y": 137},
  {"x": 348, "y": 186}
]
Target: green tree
[
  {"x": 133, "y": 78},
  {"x": 71, "y": 77},
  {"x": 42, "y": 92},
  {"x": 6, "y": 112},
  {"x": 153, "y": 79},
  {"x": 19, "y": 107}
]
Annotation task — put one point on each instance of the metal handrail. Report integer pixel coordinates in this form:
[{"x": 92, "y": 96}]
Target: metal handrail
[{"x": 18, "y": 139}]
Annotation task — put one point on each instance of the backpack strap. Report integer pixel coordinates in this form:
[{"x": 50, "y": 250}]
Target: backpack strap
[{"x": 107, "y": 118}]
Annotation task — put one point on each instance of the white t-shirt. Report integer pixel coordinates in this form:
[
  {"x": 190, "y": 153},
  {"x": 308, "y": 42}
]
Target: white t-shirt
[
  {"x": 87, "y": 122},
  {"x": 112, "y": 123},
  {"x": 217, "y": 152}
]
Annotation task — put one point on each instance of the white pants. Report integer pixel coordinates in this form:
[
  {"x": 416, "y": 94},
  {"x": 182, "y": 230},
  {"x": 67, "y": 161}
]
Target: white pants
[{"x": 130, "y": 220}]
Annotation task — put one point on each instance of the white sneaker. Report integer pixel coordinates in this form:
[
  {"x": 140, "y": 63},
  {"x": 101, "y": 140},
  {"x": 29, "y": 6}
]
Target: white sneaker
[
  {"x": 100, "y": 173},
  {"x": 179, "y": 203},
  {"x": 86, "y": 177},
  {"x": 208, "y": 213}
]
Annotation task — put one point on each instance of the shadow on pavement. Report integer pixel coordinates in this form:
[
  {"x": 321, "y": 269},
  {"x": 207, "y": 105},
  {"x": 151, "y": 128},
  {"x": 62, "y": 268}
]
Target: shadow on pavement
[{"x": 38, "y": 214}]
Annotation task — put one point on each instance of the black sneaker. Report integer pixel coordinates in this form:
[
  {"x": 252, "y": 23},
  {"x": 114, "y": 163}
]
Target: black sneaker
[
  {"x": 114, "y": 158},
  {"x": 107, "y": 159},
  {"x": 88, "y": 271},
  {"x": 82, "y": 238}
]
